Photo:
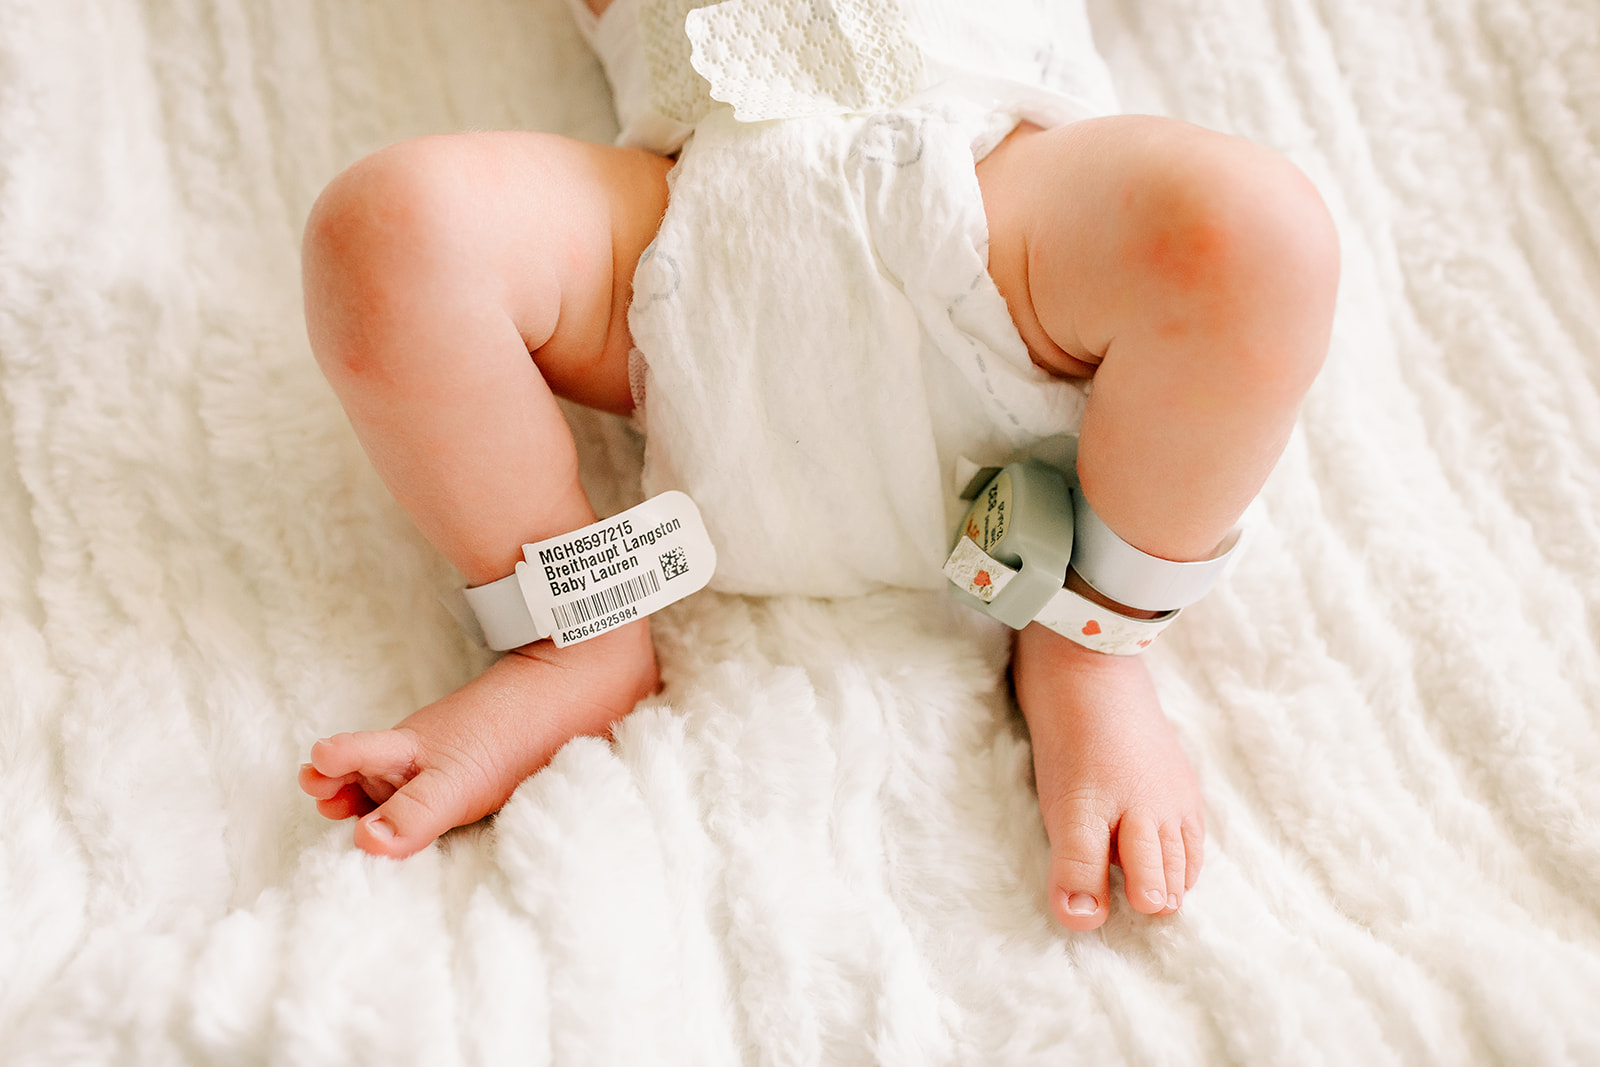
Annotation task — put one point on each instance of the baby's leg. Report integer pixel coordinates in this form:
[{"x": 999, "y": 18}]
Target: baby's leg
[
  {"x": 1193, "y": 275},
  {"x": 432, "y": 270}
]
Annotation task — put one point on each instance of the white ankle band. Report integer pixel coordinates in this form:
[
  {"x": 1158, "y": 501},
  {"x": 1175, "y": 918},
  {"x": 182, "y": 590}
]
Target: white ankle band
[
  {"x": 1128, "y": 576},
  {"x": 1069, "y": 614},
  {"x": 1028, "y": 523},
  {"x": 582, "y": 584}
]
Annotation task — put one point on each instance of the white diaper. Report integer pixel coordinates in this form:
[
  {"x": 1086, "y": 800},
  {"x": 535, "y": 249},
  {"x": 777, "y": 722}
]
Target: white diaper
[
  {"x": 823, "y": 340},
  {"x": 820, "y": 336}
]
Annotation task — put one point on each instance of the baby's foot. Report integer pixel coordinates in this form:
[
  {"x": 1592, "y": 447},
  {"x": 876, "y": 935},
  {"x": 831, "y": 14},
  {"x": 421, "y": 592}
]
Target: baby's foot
[
  {"x": 460, "y": 758},
  {"x": 1113, "y": 784}
]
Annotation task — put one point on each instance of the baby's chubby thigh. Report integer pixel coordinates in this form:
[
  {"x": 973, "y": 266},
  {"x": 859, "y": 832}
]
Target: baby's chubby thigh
[
  {"x": 531, "y": 228},
  {"x": 1006, "y": 182}
]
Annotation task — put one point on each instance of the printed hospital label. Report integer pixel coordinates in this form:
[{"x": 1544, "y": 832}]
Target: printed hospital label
[
  {"x": 990, "y": 513},
  {"x": 973, "y": 569},
  {"x": 590, "y": 581}
]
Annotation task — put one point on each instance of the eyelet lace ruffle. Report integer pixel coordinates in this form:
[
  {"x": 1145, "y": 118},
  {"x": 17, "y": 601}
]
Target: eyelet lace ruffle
[{"x": 782, "y": 59}]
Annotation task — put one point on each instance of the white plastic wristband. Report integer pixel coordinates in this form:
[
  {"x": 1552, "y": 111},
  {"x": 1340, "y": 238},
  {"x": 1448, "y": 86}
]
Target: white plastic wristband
[{"x": 607, "y": 574}]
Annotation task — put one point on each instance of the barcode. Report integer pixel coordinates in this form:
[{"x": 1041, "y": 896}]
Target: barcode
[
  {"x": 606, "y": 600},
  {"x": 674, "y": 562}
]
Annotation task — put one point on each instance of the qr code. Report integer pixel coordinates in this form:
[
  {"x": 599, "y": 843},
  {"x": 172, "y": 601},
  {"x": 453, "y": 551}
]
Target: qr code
[{"x": 674, "y": 562}]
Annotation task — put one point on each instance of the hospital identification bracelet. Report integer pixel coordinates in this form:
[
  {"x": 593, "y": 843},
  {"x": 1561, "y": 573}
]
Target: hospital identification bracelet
[
  {"x": 592, "y": 580},
  {"x": 1028, "y": 524}
]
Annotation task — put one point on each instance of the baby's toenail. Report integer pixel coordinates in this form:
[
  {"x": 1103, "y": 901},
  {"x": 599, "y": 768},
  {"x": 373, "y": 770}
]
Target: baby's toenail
[
  {"x": 1172, "y": 901},
  {"x": 1157, "y": 897},
  {"x": 379, "y": 828},
  {"x": 1082, "y": 904}
]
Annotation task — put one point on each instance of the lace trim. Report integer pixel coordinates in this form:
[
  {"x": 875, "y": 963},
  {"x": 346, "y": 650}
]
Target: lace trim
[
  {"x": 780, "y": 59},
  {"x": 777, "y": 59},
  {"x": 676, "y": 91}
]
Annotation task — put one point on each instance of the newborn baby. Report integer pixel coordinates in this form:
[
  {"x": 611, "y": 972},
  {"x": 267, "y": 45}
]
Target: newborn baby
[{"x": 841, "y": 254}]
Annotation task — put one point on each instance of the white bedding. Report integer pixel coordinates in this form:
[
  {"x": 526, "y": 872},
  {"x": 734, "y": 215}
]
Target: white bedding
[{"x": 820, "y": 844}]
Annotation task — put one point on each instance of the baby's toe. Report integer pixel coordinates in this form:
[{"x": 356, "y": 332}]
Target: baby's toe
[
  {"x": 1174, "y": 863},
  {"x": 1144, "y": 878},
  {"x": 1080, "y": 864},
  {"x": 417, "y": 814},
  {"x": 388, "y": 755},
  {"x": 349, "y": 802},
  {"x": 316, "y": 784},
  {"x": 1193, "y": 833},
  {"x": 337, "y": 757},
  {"x": 1152, "y": 858}
]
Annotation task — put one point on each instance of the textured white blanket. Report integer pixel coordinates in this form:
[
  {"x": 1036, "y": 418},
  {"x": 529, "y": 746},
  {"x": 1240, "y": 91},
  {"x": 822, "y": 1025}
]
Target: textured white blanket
[{"x": 820, "y": 844}]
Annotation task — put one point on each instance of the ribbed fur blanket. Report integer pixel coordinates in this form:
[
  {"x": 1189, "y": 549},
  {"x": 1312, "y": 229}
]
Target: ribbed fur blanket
[{"x": 820, "y": 843}]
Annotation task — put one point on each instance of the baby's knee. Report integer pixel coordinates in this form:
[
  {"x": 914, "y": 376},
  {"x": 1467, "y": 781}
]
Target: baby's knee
[
  {"x": 386, "y": 214},
  {"x": 1238, "y": 235},
  {"x": 1236, "y": 213},
  {"x": 372, "y": 236}
]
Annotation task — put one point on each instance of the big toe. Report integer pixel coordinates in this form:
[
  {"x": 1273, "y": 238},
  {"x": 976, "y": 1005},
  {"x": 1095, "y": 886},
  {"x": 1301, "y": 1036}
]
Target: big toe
[
  {"x": 415, "y": 816},
  {"x": 1080, "y": 864}
]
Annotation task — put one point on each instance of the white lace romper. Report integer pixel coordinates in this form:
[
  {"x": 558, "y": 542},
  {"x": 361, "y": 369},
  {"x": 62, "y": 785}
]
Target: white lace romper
[{"x": 818, "y": 338}]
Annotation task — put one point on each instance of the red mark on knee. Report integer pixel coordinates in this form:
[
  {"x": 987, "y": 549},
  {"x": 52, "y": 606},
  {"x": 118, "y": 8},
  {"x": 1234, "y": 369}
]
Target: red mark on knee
[{"x": 1185, "y": 255}]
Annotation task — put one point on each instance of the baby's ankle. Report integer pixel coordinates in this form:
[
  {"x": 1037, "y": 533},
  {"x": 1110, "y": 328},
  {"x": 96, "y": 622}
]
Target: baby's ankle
[
  {"x": 1076, "y": 583},
  {"x": 626, "y": 655}
]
